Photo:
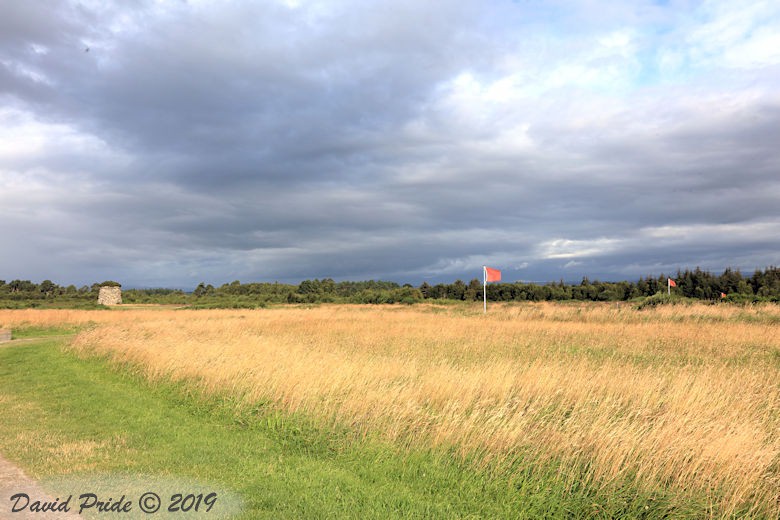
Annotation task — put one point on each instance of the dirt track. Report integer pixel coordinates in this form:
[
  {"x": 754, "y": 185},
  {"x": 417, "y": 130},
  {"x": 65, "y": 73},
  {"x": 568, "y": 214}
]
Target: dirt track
[{"x": 13, "y": 480}]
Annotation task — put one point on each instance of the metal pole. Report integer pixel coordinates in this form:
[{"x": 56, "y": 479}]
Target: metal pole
[{"x": 484, "y": 287}]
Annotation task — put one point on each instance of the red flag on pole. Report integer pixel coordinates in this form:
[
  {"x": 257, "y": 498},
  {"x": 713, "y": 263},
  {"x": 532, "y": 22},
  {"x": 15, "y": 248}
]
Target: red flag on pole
[
  {"x": 488, "y": 275},
  {"x": 492, "y": 275},
  {"x": 671, "y": 283},
  {"x": 722, "y": 295}
]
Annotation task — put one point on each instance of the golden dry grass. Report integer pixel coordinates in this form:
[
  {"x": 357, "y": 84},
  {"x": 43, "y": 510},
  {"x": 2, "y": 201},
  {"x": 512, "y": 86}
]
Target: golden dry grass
[{"x": 683, "y": 398}]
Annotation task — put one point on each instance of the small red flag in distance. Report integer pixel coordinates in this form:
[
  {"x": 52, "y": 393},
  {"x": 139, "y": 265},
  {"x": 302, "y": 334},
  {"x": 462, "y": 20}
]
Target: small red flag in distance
[
  {"x": 492, "y": 275},
  {"x": 722, "y": 295},
  {"x": 671, "y": 283}
]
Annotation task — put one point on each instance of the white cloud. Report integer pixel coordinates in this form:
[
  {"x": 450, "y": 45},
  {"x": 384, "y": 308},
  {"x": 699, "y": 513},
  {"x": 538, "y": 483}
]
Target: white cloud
[
  {"x": 565, "y": 248},
  {"x": 24, "y": 137},
  {"x": 715, "y": 234},
  {"x": 760, "y": 49},
  {"x": 734, "y": 34}
]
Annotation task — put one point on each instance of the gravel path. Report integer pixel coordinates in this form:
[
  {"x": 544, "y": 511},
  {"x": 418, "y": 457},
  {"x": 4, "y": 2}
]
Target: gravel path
[{"x": 12, "y": 481}]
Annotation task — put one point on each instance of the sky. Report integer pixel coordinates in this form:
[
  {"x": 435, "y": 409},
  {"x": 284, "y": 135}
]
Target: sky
[{"x": 161, "y": 144}]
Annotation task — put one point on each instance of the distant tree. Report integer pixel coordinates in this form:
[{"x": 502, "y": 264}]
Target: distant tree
[
  {"x": 18, "y": 286},
  {"x": 473, "y": 291},
  {"x": 200, "y": 290},
  {"x": 730, "y": 280},
  {"x": 743, "y": 287},
  {"x": 47, "y": 287},
  {"x": 439, "y": 291},
  {"x": 457, "y": 290},
  {"x": 327, "y": 285},
  {"x": 309, "y": 287}
]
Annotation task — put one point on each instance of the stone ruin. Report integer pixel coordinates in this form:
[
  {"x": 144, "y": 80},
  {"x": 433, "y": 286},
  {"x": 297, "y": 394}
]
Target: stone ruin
[{"x": 110, "y": 296}]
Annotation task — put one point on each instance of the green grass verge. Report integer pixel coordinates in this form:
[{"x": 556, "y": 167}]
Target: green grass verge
[
  {"x": 37, "y": 332},
  {"x": 64, "y": 303},
  {"x": 63, "y": 414}
]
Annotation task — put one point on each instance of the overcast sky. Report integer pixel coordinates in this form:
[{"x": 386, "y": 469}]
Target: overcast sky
[{"x": 161, "y": 144}]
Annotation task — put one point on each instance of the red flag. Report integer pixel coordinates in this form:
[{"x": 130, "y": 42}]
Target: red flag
[
  {"x": 492, "y": 275},
  {"x": 722, "y": 295},
  {"x": 671, "y": 283}
]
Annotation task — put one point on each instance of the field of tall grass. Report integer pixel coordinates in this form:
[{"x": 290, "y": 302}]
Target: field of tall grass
[{"x": 680, "y": 400}]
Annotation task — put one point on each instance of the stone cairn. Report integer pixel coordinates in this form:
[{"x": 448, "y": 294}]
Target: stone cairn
[{"x": 110, "y": 296}]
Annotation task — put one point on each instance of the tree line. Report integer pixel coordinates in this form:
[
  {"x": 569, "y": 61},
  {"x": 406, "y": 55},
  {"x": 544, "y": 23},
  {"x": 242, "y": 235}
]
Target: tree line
[
  {"x": 762, "y": 285},
  {"x": 731, "y": 285}
]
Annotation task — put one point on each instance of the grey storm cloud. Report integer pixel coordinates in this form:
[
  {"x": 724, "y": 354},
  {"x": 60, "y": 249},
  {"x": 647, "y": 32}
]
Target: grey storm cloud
[{"x": 166, "y": 143}]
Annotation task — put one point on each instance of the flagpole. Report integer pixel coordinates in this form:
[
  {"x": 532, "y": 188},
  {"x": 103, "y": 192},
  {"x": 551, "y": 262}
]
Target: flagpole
[
  {"x": 668, "y": 286},
  {"x": 484, "y": 288}
]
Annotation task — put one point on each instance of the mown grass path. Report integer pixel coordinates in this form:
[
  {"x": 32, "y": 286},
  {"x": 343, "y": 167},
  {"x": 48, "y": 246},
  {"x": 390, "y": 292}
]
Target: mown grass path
[{"x": 13, "y": 480}]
